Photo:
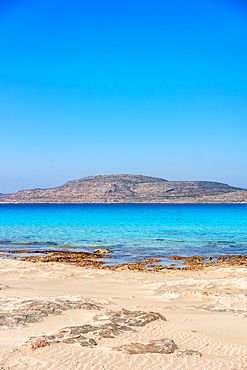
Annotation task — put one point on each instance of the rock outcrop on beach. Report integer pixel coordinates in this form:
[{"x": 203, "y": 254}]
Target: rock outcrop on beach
[
  {"x": 108, "y": 325},
  {"x": 130, "y": 189},
  {"x": 65, "y": 316}
]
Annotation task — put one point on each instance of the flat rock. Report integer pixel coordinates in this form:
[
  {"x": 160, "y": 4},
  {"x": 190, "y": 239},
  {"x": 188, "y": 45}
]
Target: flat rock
[
  {"x": 108, "y": 325},
  {"x": 35, "y": 344},
  {"x": 15, "y": 314},
  {"x": 130, "y": 318},
  {"x": 102, "y": 251},
  {"x": 3, "y": 286},
  {"x": 163, "y": 346},
  {"x": 188, "y": 352}
]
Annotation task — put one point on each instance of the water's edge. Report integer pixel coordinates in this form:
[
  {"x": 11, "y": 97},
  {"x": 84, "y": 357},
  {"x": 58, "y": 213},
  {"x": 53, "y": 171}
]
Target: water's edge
[{"x": 131, "y": 231}]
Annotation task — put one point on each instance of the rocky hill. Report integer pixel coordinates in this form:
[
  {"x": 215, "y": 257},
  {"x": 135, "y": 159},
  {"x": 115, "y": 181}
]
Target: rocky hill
[{"x": 130, "y": 189}]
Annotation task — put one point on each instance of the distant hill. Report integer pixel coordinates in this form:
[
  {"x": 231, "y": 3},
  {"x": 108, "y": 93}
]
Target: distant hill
[{"x": 130, "y": 189}]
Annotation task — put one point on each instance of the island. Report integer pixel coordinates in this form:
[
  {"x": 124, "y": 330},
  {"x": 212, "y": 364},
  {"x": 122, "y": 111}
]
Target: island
[{"x": 127, "y": 188}]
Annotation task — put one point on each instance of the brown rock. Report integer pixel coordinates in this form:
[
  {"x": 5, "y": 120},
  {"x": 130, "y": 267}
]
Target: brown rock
[
  {"x": 163, "y": 346},
  {"x": 102, "y": 251},
  {"x": 36, "y": 343},
  {"x": 130, "y": 318},
  {"x": 114, "y": 323}
]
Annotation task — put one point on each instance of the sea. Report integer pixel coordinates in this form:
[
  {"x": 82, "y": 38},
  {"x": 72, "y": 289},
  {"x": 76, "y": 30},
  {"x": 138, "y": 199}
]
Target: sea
[{"x": 131, "y": 231}]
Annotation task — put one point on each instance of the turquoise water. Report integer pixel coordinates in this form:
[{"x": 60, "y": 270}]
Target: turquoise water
[{"x": 131, "y": 231}]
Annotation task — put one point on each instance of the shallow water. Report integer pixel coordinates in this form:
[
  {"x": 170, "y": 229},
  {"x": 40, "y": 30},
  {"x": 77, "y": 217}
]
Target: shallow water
[{"x": 130, "y": 230}]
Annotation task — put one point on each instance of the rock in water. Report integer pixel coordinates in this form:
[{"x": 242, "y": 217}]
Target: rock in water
[{"x": 102, "y": 251}]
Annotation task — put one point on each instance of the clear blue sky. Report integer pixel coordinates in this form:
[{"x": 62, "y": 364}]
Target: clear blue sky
[{"x": 146, "y": 87}]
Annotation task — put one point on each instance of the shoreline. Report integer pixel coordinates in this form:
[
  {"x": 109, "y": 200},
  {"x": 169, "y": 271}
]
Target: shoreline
[
  {"x": 101, "y": 257},
  {"x": 204, "y": 313}
]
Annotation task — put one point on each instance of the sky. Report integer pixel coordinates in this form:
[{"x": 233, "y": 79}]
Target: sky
[{"x": 96, "y": 87}]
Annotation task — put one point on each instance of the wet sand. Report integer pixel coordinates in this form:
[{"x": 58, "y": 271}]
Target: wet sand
[{"x": 86, "y": 318}]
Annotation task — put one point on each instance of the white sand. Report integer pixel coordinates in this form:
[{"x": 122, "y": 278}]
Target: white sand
[{"x": 206, "y": 311}]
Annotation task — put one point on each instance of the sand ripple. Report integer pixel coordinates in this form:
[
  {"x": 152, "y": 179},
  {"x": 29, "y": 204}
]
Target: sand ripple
[
  {"x": 192, "y": 303},
  {"x": 215, "y": 354}
]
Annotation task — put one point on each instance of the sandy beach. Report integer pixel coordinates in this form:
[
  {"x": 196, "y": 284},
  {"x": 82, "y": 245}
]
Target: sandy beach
[{"x": 87, "y": 318}]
